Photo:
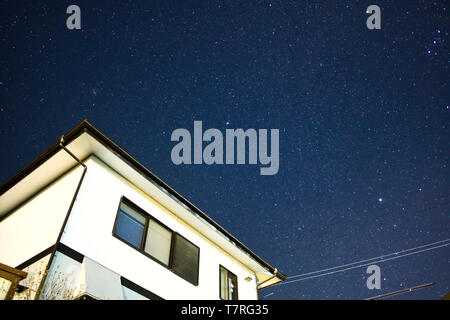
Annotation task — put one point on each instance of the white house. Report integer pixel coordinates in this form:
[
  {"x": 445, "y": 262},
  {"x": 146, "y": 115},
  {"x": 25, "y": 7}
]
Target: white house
[{"x": 88, "y": 212}]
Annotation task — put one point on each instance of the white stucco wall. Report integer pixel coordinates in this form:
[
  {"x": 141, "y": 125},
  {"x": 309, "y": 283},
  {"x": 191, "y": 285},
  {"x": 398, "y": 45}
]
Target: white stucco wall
[
  {"x": 35, "y": 226},
  {"x": 89, "y": 231}
]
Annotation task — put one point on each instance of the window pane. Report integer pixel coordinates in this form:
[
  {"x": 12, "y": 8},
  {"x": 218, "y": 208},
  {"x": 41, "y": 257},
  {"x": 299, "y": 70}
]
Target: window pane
[
  {"x": 232, "y": 286},
  {"x": 130, "y": 225},
  {"x": 158, "y": 242},
  {"x": 5, "y": 284},
  {"x": 223, "y": 283},
  {"x": 185, "y": 259}
]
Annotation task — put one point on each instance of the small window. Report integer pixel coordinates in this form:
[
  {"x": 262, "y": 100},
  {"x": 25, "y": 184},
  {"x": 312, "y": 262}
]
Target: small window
[
  {"x": 228, "y": 285},
  {"x": 185, "y": 259},
  {"x": 130, "y": 225},
  {"x": 158, "y": 242}
]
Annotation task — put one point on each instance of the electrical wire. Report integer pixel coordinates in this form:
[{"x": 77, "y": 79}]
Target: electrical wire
[
  {"x": 379, "y": 257},
  {"x": 394, "y": 293},
  {"x": 365, "y": 264}
]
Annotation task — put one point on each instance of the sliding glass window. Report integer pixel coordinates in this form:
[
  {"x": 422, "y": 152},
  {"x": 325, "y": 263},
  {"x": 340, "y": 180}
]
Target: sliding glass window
[{"x": 140, "y": 230}]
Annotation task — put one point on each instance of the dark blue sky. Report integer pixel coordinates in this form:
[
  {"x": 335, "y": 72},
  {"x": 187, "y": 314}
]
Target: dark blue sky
[{"x": 363, "y": 118}]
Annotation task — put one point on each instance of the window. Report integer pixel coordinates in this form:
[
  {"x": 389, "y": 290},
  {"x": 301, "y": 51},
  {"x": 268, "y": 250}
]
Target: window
[
  {"x": 130, "y": 225},
  {"x": 146, "y": 234},
  {"x": 185, "y": 259},
  {"x": 228, "y": 285}
]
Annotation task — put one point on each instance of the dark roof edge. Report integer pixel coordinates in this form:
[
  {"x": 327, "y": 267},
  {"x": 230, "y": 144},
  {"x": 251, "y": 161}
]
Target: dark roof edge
[{"x": 86, "y": 126}]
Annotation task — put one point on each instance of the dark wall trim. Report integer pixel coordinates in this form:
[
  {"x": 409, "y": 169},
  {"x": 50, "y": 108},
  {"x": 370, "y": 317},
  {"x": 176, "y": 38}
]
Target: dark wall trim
[
  {"x": 71, "y": 253},
  {"x": 138, "y": 289},
  {"x": 35, "y": 258}
]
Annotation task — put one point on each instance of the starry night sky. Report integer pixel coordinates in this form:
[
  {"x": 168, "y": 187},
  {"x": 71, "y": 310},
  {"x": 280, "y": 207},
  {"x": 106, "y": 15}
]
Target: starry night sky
[{"x": 363, "y": 118}]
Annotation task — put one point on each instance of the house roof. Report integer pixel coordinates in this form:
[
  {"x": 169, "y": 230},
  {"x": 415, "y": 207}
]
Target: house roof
[{"x": 85, "y": 140}]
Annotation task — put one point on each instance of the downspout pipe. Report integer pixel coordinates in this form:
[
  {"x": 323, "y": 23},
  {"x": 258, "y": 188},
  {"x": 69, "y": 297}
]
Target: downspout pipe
[
  {"x": 47, "y": 268},
  {"x": 61, "y": 144}
]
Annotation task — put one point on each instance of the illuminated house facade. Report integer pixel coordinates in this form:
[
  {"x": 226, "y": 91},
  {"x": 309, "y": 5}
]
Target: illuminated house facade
[{"x": 89, "y": 212}]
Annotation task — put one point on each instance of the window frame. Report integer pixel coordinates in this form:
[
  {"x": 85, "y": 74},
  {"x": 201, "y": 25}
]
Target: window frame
[
  {"x": 139, "y": 211},
  {"x": 14, "y": 276},
  {"x": 141, "y": 248},
  {"x": 220, "y": 283}
]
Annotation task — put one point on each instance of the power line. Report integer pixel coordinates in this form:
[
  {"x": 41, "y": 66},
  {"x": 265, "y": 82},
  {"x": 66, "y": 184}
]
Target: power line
[
  {"x": 366, "y": 264},
  {"x": 362, "y": 265},
  {"x": 361, "y": 261},
  {"x": 402, "y": 291}
]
